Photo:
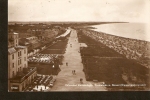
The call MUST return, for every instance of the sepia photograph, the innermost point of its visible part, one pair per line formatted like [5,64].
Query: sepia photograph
[78,45]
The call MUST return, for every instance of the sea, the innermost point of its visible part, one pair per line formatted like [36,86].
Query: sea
[128,30]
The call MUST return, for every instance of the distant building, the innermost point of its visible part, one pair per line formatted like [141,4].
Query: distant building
[32,43]
[19,74]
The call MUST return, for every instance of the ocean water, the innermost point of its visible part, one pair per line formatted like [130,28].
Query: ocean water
[129,30]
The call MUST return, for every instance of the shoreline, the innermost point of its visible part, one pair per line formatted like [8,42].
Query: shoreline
[137,30]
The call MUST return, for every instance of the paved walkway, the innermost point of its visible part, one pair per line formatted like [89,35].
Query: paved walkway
[65,80]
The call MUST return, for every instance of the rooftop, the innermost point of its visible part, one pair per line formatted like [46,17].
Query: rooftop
[11,50]
[20,47]
[15,49]
[21,76]
[31,37]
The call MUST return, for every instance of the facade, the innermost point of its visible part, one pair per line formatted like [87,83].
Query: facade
[19,74]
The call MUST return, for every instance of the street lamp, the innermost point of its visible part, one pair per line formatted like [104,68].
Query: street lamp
[52,69]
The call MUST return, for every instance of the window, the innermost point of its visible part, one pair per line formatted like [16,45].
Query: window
[24,58]
[13,56]
[18,62]
[18,54]
[13,74]
[25,51]
[13,65]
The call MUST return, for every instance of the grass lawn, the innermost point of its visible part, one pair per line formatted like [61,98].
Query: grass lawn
[59,45]
[44,69]
[86,39]
[57,48]
[111,70]
[99,51]
[53,51]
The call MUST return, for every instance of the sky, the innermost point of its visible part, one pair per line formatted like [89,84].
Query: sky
[79,10]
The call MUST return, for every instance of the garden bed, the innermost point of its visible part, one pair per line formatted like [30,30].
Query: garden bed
[58,48]
[53,51]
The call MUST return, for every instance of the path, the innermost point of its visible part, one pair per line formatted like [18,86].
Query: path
[65,80]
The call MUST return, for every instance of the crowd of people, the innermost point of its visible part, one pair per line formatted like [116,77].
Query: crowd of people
[131,48]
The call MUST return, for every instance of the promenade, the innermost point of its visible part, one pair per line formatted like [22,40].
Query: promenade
[65,80]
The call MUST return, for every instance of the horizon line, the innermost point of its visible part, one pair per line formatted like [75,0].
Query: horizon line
[70,21]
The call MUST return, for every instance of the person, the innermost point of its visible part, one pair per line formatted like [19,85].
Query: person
[74,72]
[80,80]
[66,64]
[41,88]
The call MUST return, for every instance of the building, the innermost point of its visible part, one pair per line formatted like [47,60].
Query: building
[19,74]
[31,43]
